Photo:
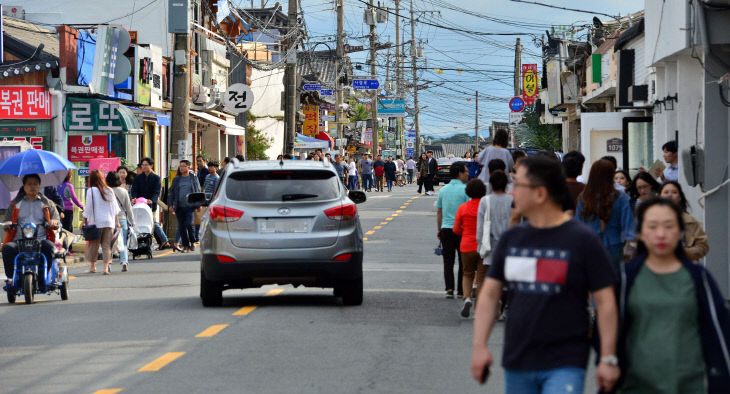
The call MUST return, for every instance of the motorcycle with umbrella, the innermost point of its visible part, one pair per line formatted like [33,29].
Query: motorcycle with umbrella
[32,272]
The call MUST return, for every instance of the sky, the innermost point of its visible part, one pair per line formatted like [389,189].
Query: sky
[487,62]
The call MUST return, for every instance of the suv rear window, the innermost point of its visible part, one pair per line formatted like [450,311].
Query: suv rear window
[283,185]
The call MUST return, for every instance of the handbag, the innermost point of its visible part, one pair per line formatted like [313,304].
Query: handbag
[90,231]
[438,251]
[486,245]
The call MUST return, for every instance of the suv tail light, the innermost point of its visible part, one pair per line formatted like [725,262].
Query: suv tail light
[441,168]
[221,214]
[343,212]
[343,257]
[225,259]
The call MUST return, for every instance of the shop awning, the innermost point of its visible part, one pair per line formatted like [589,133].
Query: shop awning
[304,142]
[87,115]
[228,127]
[325,137]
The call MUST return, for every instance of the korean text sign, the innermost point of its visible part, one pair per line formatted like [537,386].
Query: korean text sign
[311,122]
[87,147]
[93,115]
[25,102]
[529,84]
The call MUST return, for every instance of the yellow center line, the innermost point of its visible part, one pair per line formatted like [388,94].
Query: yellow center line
[399,211]
[211,331]
[371,232]
[274,292]
[71,277]
[383,223]
[161,361]
[402,207]
[377,227]
[394,215]
[108,391]
[388,218]
[364,239]
[244,311]
[169,252]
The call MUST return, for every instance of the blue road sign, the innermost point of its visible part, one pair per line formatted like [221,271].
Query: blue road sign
[84,171]
[327,92]
[365,84]
[517,104]
[312,87]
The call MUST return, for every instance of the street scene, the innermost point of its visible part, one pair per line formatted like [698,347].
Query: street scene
[309,196]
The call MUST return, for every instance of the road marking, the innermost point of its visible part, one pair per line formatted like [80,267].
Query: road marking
[211,331]
[399,211]
[402,206]
[394,215]
[169,252]
[244,311]
[364,239]
[388,218]
[377,227]
[274,292]
[108,391]
[383,223]
[371,232]
[161,361]
[71,277]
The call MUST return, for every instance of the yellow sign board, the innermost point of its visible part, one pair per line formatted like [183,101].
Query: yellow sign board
[311,121]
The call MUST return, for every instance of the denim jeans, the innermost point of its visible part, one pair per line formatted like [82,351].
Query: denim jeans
[568,380]
[124,254]
[390,184]
[410,176]
[353,182]
[185,224]
[367,181]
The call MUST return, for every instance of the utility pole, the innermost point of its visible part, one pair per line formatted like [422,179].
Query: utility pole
[374,74]
[414,53]
[290,90]
[340,68]
[181,93]
[518,67]
[398,81]
[476,125]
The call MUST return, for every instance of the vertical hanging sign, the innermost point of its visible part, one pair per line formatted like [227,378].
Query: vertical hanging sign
[529,84]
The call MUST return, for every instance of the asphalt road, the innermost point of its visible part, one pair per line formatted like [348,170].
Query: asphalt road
[145,331]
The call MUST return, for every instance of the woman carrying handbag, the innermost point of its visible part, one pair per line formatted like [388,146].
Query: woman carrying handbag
[102,217]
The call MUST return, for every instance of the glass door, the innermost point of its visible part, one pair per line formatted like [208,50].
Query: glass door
[638,139]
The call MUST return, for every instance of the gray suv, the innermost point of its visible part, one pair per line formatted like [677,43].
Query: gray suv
[281,222]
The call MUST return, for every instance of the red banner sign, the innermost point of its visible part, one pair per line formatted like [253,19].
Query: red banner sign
[529,84]
[87,147]
[25,102]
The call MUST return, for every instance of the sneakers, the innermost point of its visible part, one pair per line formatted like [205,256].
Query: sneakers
[430,193]
[466,309]
[449,294]
[124,267]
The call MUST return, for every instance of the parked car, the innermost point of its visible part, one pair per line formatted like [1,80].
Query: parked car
[444,164]
[288,222]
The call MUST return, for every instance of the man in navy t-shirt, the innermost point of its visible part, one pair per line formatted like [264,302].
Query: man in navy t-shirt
[550,265]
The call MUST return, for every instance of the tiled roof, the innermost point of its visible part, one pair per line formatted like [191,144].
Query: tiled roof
[318,66]
[31,34]
[23,40]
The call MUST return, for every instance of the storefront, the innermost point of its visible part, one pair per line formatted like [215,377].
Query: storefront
[25,115]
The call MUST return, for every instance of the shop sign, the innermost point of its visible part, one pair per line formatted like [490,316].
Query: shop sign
[35,142]
[311,121]
[25,102]
[86,147]
[94,115]
[529,84]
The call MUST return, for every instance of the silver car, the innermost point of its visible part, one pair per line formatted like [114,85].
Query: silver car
[283,222]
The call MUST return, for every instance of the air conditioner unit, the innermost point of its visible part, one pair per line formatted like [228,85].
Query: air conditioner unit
[201,94]
[14,11]
[369,18]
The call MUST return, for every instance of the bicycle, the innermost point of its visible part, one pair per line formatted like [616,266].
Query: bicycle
[400,179]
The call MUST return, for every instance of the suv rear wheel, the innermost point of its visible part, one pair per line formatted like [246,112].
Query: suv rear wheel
[210,292]
[350,291]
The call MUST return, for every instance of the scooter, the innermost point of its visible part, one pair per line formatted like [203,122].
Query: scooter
[31,275]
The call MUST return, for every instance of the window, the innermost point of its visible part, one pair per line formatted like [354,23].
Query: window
[283,185]
[638,136]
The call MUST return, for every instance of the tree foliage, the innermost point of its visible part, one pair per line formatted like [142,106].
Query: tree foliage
[531,133]
[257,143]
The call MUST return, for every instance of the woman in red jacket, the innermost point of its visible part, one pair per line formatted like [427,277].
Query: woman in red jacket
[465,226]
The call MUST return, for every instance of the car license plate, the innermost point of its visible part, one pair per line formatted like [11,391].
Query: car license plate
[285,226]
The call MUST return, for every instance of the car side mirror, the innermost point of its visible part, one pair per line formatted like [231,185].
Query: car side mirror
[197,199]
[357,196]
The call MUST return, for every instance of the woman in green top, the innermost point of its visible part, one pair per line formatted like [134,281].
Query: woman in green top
[674,325]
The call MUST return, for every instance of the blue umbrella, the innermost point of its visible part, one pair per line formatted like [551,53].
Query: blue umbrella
[51,167]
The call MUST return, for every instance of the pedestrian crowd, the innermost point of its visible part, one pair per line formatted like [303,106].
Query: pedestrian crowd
[610,262]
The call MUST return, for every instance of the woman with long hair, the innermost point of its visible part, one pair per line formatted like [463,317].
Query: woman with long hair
[68,194]
[102,210]
[126,177]
[644,187]
[675,328]
[126,217]
[606,210]
[695,238]
[623,178]
[422,170]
